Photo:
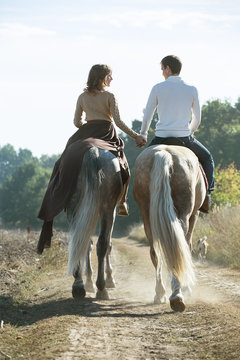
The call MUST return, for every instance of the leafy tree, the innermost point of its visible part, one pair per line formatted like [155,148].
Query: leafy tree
[237,105]
[48,162]
[24,156]
[220,131]
[8,161]
[22,193]
[227,186]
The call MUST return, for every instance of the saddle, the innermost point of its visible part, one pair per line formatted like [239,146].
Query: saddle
[178,142]
[172,141]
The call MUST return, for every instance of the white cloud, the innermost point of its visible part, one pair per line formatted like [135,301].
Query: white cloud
[21,30]
[166,19]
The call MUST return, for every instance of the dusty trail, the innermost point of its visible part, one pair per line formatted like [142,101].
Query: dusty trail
[43,322]
[129,326]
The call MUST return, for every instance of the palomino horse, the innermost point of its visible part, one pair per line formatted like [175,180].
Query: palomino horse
[98,191]
[169,189]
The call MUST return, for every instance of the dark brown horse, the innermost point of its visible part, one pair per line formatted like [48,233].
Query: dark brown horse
[169,189]
[97,194]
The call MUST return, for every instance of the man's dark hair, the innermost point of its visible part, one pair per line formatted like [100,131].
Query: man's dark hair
[173,62]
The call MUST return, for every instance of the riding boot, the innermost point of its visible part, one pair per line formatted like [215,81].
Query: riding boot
[123,206]
[206,204]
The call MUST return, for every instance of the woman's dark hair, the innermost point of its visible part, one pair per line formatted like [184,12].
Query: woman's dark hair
[96,77]
[173,62]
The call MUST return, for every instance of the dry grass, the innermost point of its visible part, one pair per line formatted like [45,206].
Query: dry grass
[222,228]
[31,326]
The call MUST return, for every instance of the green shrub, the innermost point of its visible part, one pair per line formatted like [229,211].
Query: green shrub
[227,186]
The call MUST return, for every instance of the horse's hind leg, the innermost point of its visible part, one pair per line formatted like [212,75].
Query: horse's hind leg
[110,282]
[176,299]
[189,225]
[102,246]
[78,290]
[89,287]
[160,291]
[192,223]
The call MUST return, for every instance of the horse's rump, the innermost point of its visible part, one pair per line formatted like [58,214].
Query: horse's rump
[64,177]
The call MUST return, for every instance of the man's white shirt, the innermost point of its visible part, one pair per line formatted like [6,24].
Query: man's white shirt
[177,106]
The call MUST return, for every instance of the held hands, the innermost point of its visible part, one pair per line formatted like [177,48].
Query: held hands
[140,140]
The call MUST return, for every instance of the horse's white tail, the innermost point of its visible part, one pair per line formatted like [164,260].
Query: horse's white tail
[166,228]
[83,223]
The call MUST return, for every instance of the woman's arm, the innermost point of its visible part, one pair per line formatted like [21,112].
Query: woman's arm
[116,117]
[78,114]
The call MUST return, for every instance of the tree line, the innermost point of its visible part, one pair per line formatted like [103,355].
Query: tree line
[24,178]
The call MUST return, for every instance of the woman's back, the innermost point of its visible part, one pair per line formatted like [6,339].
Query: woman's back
[97,106]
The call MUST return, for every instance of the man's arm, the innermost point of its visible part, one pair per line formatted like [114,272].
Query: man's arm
[149,111]
[196,112]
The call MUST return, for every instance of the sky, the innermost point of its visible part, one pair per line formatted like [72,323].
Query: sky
[47,48]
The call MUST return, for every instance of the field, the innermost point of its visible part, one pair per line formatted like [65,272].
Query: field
[40,320]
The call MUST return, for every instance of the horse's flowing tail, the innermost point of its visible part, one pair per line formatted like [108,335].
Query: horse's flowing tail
[166,228]
[83,221]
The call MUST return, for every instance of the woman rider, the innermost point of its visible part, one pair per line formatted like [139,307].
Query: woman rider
[97,129]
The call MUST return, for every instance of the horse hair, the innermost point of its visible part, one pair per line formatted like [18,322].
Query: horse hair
[166,228]
[84,212]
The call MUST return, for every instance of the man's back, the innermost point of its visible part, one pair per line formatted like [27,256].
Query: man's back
[174,100]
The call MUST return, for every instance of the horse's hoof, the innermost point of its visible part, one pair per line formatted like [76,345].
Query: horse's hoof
[102,295]
[89,287]
[110,283]
[78,292]
[177,304]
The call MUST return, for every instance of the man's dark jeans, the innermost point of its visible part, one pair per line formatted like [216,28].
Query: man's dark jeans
[200,151]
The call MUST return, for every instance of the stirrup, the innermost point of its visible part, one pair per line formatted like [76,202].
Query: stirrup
[123,209]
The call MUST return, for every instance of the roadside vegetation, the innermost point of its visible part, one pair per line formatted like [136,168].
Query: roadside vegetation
[222,228]
[30,325]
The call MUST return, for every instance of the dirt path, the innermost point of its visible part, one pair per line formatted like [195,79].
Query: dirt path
[128,326]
